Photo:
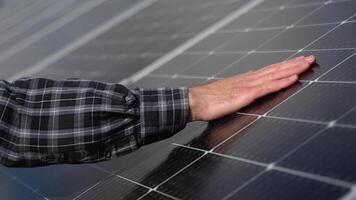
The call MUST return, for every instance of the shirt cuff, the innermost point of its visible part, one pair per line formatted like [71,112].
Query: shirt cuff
[163,112]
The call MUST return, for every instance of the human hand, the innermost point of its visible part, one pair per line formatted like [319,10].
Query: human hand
[223,97]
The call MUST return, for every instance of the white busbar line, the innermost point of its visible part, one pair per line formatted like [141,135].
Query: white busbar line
[84,39]
[185,46]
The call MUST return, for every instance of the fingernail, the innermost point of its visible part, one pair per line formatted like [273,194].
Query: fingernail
[310,58]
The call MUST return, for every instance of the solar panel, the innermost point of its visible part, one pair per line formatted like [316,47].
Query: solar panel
[298,143]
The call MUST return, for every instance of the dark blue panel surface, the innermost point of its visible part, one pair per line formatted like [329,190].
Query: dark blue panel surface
[268,140]
[114,188]
[211,177]
[211,65]
[332,13]
[286,17]
[296,38]
[326,60]
[330,154]
[155,196]
[248,41]
[154,166]
[58,181]
[278,185]
[344,72]
[319,101]
[336,38]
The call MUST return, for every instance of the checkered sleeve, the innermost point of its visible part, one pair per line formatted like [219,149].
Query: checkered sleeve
[164,111]
[44,121]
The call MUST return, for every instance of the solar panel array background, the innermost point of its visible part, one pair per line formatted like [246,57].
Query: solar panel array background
[299,143]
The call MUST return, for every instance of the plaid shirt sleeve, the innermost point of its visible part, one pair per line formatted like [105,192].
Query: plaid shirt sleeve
[45,121]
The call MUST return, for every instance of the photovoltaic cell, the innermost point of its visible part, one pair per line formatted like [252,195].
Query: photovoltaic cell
[48,181]
[211,65]
[286,16]
[153,169]
[331,13]
[114,188]
[155,196]
[277,185]
[247,41]
[344,72]
[295,38]
[328,154]
[267,140]
[320,101]
[336,38]
[326,61]
[224,176]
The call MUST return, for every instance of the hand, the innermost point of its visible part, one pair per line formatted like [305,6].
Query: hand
[223,97]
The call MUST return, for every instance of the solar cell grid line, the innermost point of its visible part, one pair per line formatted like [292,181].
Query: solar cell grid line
[321,74]
[23,14]
[66,49]
[22,183]
[272,166]
[129,180]
[39,20]
[12,9]
[189,43]
[252,50]
[49,32]
[266,41]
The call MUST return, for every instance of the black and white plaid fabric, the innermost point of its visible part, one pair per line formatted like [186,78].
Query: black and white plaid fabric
[46,121]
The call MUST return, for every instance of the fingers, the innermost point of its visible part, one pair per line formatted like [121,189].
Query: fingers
[287,72]
[281,70]
[295,62]
[274,86]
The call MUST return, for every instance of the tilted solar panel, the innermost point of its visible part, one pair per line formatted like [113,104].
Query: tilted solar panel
[299,143]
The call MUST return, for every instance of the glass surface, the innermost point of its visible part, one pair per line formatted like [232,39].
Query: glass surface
[151,167]
[330,154]
[178,64]
[268,140]
[150,82]
[248,20]
[219,131]
[184,82]
[325,60]
[342,37]
[211,177]
[211,65]
[155,196]
[113,188]
[344,72]
[302,2]
[286,17]
[295,38]
[58,181]
[331,13]
[278,185]
[350,118]
[12,188]
[248,41]
[319,101]
[271,4]
[213,41]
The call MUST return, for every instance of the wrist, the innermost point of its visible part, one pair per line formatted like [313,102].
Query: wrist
[193,105]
